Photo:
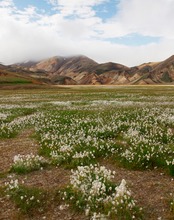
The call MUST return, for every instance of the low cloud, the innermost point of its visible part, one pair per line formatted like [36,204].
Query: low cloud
[74,28]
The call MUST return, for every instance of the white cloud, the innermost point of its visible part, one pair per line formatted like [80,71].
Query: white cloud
[81,8]
[6,3]
[147,17]
[29,34]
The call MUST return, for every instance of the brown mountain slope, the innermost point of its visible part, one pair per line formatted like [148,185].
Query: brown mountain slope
[64,64]
[164,71]
[156,73]
[83,71]
[11,76]
[63,70]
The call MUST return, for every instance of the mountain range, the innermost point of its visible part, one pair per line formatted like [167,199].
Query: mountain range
[81,70]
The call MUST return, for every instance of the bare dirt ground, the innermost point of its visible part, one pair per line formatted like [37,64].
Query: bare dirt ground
[151,189]
[50,179]
[23,144]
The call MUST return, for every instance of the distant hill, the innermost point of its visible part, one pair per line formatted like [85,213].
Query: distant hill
[81,70]
[13,76]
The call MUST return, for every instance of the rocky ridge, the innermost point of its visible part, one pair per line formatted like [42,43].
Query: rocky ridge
[81,70]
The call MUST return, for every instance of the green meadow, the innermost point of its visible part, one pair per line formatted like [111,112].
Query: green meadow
[87,152]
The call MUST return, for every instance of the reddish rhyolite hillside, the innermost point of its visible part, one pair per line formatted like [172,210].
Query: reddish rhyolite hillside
[82,70]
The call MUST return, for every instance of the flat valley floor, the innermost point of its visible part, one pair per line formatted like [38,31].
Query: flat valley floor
[126,129]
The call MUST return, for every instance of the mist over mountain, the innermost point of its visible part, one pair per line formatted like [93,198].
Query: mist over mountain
[81,70]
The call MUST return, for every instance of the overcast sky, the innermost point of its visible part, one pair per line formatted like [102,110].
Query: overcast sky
[130,32]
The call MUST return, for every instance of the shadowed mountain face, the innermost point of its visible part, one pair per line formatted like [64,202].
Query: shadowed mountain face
[81,70]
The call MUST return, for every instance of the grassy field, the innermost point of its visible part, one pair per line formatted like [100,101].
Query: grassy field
[87,152]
